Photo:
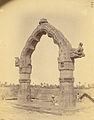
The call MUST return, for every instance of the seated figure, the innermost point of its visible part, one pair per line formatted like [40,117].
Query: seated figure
[77,53]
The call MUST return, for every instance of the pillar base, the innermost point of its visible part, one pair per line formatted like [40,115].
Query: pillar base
[67,99]
[24,94]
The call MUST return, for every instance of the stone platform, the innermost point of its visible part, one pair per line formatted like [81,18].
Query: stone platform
[44,107]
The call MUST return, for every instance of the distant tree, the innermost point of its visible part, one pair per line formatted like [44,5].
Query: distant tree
[5,84]
[41,84]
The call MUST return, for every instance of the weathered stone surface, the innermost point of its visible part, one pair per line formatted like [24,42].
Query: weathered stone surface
[65,62]
[77,53]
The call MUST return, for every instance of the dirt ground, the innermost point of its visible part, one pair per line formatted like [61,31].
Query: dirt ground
[8,112]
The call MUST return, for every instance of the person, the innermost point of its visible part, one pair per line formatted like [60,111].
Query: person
[54,101]
[78,97]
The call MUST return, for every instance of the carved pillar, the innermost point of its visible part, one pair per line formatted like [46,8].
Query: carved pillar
[66,79]
[66,68]
[24,94]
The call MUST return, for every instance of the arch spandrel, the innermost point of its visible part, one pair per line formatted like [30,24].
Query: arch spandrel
[58,38]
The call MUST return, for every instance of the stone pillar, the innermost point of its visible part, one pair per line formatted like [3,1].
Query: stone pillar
[24,94]
[66,79]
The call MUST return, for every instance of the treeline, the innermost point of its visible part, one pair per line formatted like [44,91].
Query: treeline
[79,85]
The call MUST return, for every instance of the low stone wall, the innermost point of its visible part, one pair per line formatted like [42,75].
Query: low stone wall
[41,93]
[44,93]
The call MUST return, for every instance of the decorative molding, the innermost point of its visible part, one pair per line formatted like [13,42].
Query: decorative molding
[69,80]
[24,80]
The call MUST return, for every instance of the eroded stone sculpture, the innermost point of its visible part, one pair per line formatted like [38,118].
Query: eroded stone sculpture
[65,63]
[77,53]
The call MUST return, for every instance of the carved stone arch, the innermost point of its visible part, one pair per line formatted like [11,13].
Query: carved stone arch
[65,63]
[45,28]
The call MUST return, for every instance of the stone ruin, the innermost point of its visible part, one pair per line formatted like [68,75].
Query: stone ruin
[66,60]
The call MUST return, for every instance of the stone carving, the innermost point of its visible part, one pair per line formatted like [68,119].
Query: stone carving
[65,62]
[17,61]
[45,28]
[77,53]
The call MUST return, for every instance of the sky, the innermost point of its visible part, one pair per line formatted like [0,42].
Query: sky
[19,18]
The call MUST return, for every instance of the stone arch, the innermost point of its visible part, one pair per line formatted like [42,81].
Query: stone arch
[45,28]
[65,63]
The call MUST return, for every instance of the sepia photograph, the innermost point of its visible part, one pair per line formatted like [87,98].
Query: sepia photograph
[46,60]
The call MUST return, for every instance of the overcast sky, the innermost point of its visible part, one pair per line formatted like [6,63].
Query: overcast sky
[18,19]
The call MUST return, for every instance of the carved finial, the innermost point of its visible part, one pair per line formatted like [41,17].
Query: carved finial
[43,20]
